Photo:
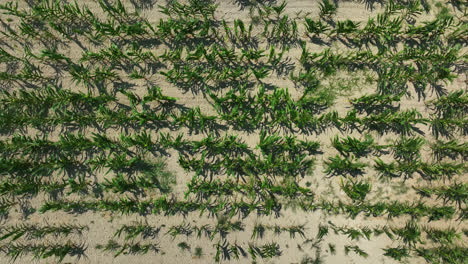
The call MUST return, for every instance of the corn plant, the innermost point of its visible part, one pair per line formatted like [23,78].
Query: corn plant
[355,249]
[340,166]
[451,149]
[353,145]
[410,234]
[375,103]
[454,104]
[352,233]
[128,248]
[268,250]
[445,254]
[397,253]
[227,251]
[315,28]
[441,170]
[447,236]
[284,30]
[356,190]
[399,122]
[457,193]
[447,127]
[182,229]
[327,9]
[259,230]
[242,34]
[42,251]
[347,28]
[30,231]
[408,148]
[198,252]
[5,206]
[137,229]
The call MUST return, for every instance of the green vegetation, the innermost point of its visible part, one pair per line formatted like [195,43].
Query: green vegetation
[130,110]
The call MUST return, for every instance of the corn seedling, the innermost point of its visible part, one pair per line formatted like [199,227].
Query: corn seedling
[451,149]
[327,9]
[397,253]
[42,251]
[339,166]
[353,145]
[356,190]
[356,250]
[29,231]
[128,248]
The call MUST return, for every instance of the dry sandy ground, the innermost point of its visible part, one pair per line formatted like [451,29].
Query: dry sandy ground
[103,225]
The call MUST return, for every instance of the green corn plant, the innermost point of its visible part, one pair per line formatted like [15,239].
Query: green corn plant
[353,145]
[451,149]
[457,192]
[117,11]
[454,104]
[268,250]
[194,119]
[5,206]
[448,126]
[11,8]
[403,168]
[441,170]
[283,30]
[82,74]
[182,229]
[137,229]
[297,229]
[227,251]
[397,253]
[339,166]
[43,251]
[258,231]
[356,250]
[198,252]
[207,230]
[31,231]
[356,190]
[443,254]
[327,9]
[315,28]
[279,8]
[18,188]
[241,32]
[275,58]
[155,94]
[118,184]
[274,144]
[184,246]
[261,73]
[252,54]
[224,227]
[322,231]
[410,234]
[399,122]
[346,28]
[54,55]
[408,148]
[375,103]
[128,248]
[167,141]
[352,233]
[447,236]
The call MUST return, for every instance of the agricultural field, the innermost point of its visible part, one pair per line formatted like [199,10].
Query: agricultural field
[233,131]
